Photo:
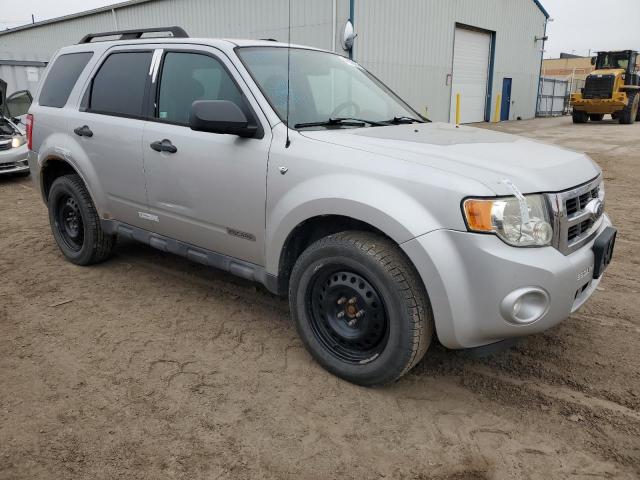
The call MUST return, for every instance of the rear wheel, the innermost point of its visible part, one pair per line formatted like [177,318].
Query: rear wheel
[580,116]
[629,114]
[75,223]
[596,117]
[360,307]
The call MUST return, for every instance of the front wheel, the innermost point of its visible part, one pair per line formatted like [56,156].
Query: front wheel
[360,307]
[630,112]
[580,117]
[75,223]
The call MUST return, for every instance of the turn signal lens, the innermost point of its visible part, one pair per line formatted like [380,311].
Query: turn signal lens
[524,223]
[478,213]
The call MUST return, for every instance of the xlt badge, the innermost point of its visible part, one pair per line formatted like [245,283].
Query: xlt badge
[238,233]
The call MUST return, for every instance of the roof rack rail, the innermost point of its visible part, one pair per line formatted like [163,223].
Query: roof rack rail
[269,39]
[176,32]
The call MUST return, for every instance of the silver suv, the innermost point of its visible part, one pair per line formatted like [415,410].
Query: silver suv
[322,184]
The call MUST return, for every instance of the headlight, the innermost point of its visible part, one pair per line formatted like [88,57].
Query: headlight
[18,141]
[520,224]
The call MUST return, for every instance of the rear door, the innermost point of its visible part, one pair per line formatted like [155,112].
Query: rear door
[109,126]
[211,191]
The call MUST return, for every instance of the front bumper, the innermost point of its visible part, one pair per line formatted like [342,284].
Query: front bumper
[599,105]
[468,276]
[14,160]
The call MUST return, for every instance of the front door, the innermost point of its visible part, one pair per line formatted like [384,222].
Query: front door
[505,108]
[211,190]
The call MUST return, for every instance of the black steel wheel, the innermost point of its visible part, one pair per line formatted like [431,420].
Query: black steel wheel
[360,307]
[75,223]
[69,222]
[347,315]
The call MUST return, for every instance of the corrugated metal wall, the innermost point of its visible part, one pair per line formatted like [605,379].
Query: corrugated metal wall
[311,23]
[411,48]
[407,43]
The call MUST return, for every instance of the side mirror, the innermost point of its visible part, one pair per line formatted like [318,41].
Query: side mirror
[593,60]
[220,116]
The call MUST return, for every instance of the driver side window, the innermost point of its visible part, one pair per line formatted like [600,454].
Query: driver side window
[187,77]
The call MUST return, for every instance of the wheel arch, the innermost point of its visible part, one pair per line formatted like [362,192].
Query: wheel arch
[54,162]
[307,232]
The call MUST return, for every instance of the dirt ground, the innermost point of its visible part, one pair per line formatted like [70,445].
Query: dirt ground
[149,366]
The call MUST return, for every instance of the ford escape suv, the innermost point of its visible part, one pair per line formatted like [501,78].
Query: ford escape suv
[319,182]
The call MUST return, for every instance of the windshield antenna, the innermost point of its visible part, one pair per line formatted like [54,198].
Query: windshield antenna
[288,142]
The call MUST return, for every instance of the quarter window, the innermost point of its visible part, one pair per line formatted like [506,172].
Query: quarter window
[187,77]
[119,86]
[62,77]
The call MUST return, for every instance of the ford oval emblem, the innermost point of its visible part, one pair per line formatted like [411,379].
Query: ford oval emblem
[595,207]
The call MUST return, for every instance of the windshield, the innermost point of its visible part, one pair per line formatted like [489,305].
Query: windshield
[613,60]
[324,86]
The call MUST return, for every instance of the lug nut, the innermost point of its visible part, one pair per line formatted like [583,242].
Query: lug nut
[360,313]
[352,322]
[352,300]
[340,314]
[342,300]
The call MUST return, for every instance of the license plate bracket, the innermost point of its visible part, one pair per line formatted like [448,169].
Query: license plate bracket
[603,251]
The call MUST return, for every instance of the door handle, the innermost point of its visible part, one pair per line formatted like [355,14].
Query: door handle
[83,131]
[164,146]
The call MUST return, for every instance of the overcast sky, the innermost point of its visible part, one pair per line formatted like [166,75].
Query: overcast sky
[578,26]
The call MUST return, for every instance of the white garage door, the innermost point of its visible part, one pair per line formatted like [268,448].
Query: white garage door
[470,73]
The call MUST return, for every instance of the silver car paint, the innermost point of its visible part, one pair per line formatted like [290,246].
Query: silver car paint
[13,155]
[408,181]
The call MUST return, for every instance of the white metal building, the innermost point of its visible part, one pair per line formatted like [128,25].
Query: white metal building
[428,51]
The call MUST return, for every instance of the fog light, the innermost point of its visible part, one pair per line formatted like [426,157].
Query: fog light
[525,306]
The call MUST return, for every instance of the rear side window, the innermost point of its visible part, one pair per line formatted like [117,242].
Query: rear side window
[119,86]
[62,77]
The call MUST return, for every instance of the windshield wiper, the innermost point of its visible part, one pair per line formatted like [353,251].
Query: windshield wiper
[402,120]
[343,121]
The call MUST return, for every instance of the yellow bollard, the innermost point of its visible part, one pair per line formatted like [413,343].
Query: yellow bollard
[496,117]
[457,109]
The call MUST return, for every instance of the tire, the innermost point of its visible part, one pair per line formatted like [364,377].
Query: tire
[580,116]
[629,113]
[360,273]
[596,117]
[75,223]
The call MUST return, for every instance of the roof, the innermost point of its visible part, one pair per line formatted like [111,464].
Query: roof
[107,8]
[128,3]
[541,7]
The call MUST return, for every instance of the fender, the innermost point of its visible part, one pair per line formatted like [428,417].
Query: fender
[372,201]
[73,154]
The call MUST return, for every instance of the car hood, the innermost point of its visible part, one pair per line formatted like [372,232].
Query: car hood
[484,155]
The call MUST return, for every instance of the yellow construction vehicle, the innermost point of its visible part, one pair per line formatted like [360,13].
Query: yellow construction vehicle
[613,88]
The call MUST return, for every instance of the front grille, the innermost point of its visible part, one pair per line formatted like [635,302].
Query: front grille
[598,86]
[5,145]
[576,215]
